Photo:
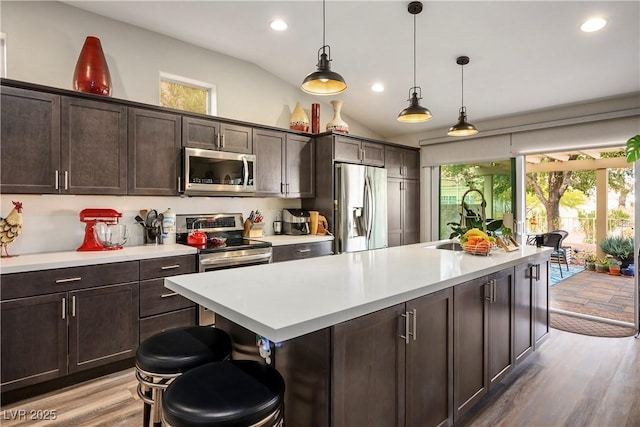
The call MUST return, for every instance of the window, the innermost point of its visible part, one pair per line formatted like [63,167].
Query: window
[186,94]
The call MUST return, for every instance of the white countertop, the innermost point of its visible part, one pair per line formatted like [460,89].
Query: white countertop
[282,239]
[51,260]
[282,301]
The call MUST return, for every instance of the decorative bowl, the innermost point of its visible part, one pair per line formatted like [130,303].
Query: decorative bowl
[111,236]
[481,248]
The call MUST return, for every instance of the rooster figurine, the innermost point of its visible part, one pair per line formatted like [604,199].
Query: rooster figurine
[10,228]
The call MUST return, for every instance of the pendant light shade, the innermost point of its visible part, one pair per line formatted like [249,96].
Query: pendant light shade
[414,113]
[323,81]
[462,128]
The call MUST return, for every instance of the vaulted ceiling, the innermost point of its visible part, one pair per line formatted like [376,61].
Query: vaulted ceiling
[525,55]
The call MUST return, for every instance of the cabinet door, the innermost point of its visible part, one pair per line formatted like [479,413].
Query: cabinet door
[500,326]
[236,139]
[411,163]
[302,251]
[94,147]
[268,148]
[347,149]
[394,211]
[469,345]
[33,339]
[523,313]
[300,170]
[367,379]
[200,133]
[372,153]
[154,153]
[30,135]
[429,382]
[410,212]
[393,161]
[541,301]
[103,325]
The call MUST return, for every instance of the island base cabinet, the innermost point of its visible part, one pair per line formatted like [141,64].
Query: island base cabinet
[540,280]
[523,313]
[33,340]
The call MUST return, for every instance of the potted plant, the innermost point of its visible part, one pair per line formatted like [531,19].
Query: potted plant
[620,248]
[602,265]
[614,267]
[590,261]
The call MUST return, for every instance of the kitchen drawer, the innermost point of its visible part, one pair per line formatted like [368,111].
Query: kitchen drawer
[154,324]
[167,266]
[302,251]
[42,282]
[156,299]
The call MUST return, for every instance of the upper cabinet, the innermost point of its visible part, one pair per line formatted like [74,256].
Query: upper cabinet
[352,150]
[154,152]
[214,135]
[402,162]
[57,144]
[284,164]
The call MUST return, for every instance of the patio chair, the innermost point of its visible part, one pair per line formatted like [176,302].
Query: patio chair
[554,240]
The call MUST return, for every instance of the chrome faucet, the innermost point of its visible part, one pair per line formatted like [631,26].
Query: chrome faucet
[483,212]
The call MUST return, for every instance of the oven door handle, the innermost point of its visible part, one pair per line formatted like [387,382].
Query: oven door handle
[247,258]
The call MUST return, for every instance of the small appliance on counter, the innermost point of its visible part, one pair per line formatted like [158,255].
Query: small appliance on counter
[102,231]
[295,222]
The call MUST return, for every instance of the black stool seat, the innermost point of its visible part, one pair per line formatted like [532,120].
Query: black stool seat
[180,349]
[234,393]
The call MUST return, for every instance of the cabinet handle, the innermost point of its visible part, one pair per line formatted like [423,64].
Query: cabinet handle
[170,267]
[221,141]
[57,178]
[415,324]
[303,251]
[287,188]
[70,279]
[537,271]
[217,141]
[172,294]
[406,327]
[179,184]
[66,180]
[64,308]
[73,306]
[487,291]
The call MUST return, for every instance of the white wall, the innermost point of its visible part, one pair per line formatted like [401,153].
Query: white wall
[43,43]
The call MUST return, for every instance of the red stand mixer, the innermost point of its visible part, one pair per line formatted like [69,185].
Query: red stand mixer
[91,217]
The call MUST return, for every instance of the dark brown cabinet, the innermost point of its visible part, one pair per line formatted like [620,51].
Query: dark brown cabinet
[540,283]
[523,313]
[57,144]
[403,211]
[483,337]
[402,162]
[214,135]
[91,320]
[284,164]
[93,157]
[302,251]
[154,153]
[352,150]
[30,135]
[394,367]
[160,307]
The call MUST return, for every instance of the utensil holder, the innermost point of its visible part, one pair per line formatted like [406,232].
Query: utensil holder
[253,229]
[152,235]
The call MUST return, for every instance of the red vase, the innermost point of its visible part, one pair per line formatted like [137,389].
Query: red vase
[92,73]
[315,118]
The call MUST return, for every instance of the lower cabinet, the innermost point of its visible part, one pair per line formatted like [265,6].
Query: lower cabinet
[523,313]
[393,367]
[540,284]
[302,251]
[483,337]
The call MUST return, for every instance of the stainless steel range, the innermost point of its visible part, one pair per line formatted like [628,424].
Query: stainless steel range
[224,246]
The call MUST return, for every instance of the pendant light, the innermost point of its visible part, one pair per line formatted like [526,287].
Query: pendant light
[462,128]
[324,81]
[414,113]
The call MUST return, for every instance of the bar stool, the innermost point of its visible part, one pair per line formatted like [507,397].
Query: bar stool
[234,393]
[167,355]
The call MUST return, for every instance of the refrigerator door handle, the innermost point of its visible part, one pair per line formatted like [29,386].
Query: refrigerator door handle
[370,206]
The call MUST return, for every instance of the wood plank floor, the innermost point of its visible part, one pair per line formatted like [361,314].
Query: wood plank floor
[574,380]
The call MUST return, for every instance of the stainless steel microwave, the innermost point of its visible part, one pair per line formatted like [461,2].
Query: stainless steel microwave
[218,173]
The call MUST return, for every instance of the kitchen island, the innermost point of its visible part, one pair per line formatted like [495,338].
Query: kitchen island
[361,338]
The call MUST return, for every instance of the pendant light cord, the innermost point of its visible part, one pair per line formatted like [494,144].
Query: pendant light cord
[324,25]
[462,86]
[414,51]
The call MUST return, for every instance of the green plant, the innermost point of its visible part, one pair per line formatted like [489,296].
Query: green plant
[618,247]
[602,261]
[632,149]
[590,257]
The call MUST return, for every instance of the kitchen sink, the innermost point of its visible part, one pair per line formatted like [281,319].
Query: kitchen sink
[450,246]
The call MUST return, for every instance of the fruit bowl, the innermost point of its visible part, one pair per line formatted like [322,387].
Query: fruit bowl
[479,248]
[111,236]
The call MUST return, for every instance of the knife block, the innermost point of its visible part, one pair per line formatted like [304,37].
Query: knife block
[253,229]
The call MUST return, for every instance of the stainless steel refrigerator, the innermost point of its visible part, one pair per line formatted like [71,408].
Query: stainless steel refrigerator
[361,210]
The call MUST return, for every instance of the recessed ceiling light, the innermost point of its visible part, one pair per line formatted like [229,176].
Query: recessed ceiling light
[593,24]
[377,87]
[278,25]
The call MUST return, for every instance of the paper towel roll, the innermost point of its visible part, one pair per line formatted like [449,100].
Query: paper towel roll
[507,220]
